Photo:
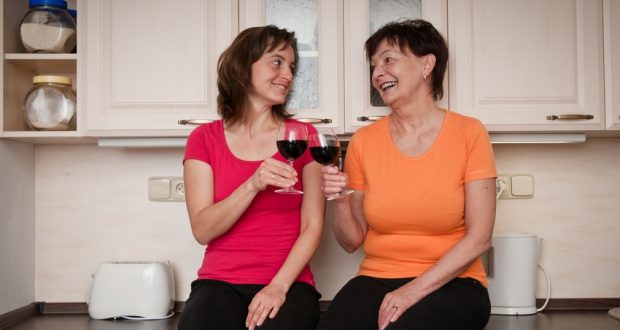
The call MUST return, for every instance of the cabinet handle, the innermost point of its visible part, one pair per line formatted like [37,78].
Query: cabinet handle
[315,120]
[194,121]
[569,117]
[369,118]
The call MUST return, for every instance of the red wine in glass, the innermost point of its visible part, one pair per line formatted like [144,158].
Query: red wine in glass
[325,150]
[292,149]
[327,155]
[292,142]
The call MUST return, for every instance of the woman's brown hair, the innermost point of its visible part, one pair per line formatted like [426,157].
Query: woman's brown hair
[234,69]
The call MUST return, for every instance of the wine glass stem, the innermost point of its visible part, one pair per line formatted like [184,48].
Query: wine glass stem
[340,163]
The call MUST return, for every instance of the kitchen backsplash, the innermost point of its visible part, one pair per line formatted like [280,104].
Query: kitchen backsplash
[92,206]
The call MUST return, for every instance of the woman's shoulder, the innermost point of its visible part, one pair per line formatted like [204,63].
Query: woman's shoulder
[209,127]
[374,130]
[208,131]
[464,121]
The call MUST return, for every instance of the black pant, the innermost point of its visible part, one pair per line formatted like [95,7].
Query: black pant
[220,305]
[462,304]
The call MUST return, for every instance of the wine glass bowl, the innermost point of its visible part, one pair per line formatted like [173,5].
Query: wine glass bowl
[292,142]
[325,149]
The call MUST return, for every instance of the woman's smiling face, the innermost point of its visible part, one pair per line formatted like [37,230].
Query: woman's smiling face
[396,74]
[272,76]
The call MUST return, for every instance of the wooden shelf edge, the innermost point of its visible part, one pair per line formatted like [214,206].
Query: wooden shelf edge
[39,56]
[38,137]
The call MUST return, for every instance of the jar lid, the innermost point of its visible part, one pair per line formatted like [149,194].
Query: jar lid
[51,3]
[51,79]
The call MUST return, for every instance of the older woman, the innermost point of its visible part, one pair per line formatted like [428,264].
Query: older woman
[424,200]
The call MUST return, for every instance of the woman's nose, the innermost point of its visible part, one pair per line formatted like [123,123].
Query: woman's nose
[377,72]
[287,73]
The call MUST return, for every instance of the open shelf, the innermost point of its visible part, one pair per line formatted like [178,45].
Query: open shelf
[17,69]
[44,63]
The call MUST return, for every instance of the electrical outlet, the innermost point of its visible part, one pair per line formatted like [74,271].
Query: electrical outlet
[516,186]
[166,189]
[177,189]
[503,185]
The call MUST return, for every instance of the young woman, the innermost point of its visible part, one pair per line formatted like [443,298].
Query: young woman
[255,271]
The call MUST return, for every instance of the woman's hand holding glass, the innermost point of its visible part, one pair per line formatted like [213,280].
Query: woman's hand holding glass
[325,149]
[335,183]
[272,172]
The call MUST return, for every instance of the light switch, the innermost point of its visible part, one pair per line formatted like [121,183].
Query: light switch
[522,185]
[159,188]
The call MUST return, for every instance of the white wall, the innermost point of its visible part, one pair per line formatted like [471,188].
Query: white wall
[92,207]
[576,210]
[17,222]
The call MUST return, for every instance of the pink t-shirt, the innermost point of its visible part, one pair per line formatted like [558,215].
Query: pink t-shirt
[255,248]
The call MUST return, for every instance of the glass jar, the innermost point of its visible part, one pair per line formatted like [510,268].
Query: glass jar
[73,13]
[48,27]
[50,104]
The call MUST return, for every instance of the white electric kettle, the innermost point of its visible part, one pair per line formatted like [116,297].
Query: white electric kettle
[512,264]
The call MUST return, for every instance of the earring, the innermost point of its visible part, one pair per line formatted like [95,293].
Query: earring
[424,76]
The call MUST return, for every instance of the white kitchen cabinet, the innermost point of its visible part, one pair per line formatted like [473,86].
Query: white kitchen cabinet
[17,69]
[362,18]
[335,32]
[612,63]
[150,63]
[529,65]
[316,96]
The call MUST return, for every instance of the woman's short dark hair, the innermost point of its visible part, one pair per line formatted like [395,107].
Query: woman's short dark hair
[234,69]
[421,38]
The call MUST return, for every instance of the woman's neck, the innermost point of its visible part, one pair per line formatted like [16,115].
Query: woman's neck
[417,117]
[254,121]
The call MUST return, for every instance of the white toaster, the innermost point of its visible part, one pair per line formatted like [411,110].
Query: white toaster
[133,290]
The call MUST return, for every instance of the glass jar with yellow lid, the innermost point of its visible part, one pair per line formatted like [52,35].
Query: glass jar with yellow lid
[50,104]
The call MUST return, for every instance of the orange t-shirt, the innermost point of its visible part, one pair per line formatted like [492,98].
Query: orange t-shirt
[414,206]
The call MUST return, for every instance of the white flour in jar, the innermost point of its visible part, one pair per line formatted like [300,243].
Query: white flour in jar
[47,38]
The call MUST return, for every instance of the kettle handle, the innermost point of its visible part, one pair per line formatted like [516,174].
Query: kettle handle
[548,288]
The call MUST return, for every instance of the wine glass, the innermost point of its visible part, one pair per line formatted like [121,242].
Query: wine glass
[292,142]
[325,149]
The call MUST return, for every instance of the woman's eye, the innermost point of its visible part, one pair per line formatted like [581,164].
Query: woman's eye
[276,63]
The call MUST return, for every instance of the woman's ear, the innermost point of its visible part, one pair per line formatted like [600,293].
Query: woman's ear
[429,64]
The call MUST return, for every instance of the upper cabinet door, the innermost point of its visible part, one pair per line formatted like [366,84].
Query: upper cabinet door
[316,96]
[528,65]
[151,63]
[362,18]
[612,63]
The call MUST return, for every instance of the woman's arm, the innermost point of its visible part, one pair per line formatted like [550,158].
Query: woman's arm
[479,222]
[269,300]
[349,224]
[210,220]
